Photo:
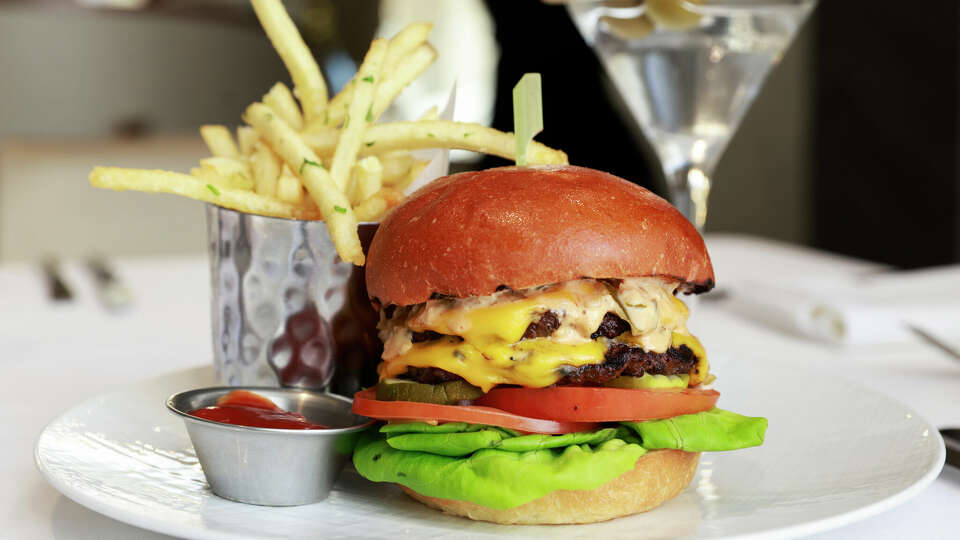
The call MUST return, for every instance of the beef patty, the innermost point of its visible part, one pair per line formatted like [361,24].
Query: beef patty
[620,358]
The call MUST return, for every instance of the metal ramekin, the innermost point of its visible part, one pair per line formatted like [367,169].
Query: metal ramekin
[272,467]
[286,311]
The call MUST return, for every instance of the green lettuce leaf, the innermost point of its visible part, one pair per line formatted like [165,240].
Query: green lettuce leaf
[468,441]
[423,427]
[446,444]
[710,431]
[489,476]
[482,464]
[528,443]
[449,427]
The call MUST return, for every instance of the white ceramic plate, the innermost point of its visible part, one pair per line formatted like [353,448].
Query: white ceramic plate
[835,453]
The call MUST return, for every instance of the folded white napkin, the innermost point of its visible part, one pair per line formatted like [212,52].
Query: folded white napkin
[874,309]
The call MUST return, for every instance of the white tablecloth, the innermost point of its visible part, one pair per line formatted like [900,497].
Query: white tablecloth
[54,356]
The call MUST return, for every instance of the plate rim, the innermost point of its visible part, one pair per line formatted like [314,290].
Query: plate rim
[873,509]
[104,508]
[158,525]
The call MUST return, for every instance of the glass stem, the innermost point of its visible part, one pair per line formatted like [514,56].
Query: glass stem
[689,191]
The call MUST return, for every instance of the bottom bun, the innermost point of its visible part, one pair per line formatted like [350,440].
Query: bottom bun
[657,477]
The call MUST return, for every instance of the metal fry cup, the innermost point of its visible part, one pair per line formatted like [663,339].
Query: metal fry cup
[286,311]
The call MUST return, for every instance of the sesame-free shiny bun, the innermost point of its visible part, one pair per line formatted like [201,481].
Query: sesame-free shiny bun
[468,234]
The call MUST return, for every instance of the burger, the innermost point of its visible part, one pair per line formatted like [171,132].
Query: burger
[537,367]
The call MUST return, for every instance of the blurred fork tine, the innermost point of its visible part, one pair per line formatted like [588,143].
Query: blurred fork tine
[935,341]
[57,289]
[112,293]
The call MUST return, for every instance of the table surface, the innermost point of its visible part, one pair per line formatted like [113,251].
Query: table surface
[57,355]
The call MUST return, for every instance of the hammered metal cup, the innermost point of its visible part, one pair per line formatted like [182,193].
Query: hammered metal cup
[286,311]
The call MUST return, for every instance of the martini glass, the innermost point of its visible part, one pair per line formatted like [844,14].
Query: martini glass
[688,71]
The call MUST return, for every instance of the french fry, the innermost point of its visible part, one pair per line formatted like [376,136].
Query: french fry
[226,166]
[121,179]
[415,169]
[409,69]
[281,101]
[381,138]
[359,115]
[392,196]
[368,179]
[406,40]
[228,172]
[289,188]
[371,208]
[266,170]
[224,172]
[322,138]
[395,165]
[307,80]
[332,203]
[208,176]
[378,204]
[247,137]
[219,141]
[400,45]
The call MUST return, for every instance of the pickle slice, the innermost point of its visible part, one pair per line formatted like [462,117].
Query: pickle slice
[649,381]
[448,393]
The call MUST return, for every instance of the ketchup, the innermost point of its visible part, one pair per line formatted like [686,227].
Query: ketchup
[243,408]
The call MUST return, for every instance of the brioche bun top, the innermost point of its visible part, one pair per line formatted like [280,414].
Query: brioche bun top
[468,234]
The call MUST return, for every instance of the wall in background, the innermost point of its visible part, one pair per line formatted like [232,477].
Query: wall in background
[76,72]
[48,207]
[72,80]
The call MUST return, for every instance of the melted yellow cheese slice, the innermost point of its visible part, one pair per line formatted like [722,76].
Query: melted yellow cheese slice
[505,321]
[532,363]
[702,369]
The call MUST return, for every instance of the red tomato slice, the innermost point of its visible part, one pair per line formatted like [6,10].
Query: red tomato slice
[593,404]
[366,404]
